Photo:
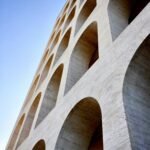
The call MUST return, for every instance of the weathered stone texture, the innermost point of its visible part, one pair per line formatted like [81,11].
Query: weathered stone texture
[91,90]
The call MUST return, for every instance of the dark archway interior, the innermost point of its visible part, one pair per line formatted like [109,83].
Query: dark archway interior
[123,12]
[84,55]
[82,130]
[136,97]
[45,71]
[50,96]
[40,145]
[136,8]
[63,45]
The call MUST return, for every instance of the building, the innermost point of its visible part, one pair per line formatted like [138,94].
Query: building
[91,90]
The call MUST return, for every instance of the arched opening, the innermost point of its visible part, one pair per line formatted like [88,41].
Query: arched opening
[69,19]
[45,55]
[52,37]
[29,120]
[55,40]
[84,55]
[45,71]
[56,24]
[136,97]
[82,129]
[61,21]
[50,96]
[43,59]
[16,133]
[66,7]
[85,13]
[34,85]
[63,45]
[40,145]
[123,12]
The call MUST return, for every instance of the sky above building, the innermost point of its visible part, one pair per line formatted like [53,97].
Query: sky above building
[25,27]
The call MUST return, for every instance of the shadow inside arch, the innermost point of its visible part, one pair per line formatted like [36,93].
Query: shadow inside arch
[82,128]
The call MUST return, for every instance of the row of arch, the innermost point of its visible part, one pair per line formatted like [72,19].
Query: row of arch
[88,117]
[69,7]
[84,127]
[84,121]
[66,20]
[87,48]
[48,103]
[68,17]
[50,97]
[84,55]
[127,12]
[91,109]
[92,29]
[126,15]
[120,13]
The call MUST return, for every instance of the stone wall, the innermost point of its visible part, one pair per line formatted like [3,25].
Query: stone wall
[91,89]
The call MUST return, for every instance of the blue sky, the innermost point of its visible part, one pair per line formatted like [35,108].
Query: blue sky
[25,26]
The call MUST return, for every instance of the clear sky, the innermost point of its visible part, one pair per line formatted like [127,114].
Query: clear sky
[25,26]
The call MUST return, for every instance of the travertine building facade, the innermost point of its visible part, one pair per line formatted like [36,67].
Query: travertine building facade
[92,88]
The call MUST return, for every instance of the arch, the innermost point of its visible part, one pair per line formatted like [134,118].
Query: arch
[84,55]
[52,37]
[61,21]
[82,129]
[16,133]
[85,13]
[123,12]
[69,19]
[43,59]
[63,45]
[55,40]
[29,120]
[45,55]
[136,96]
[56,24]
[45,71]
[34,85]
[40,145]
[50,96]
[66,7]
